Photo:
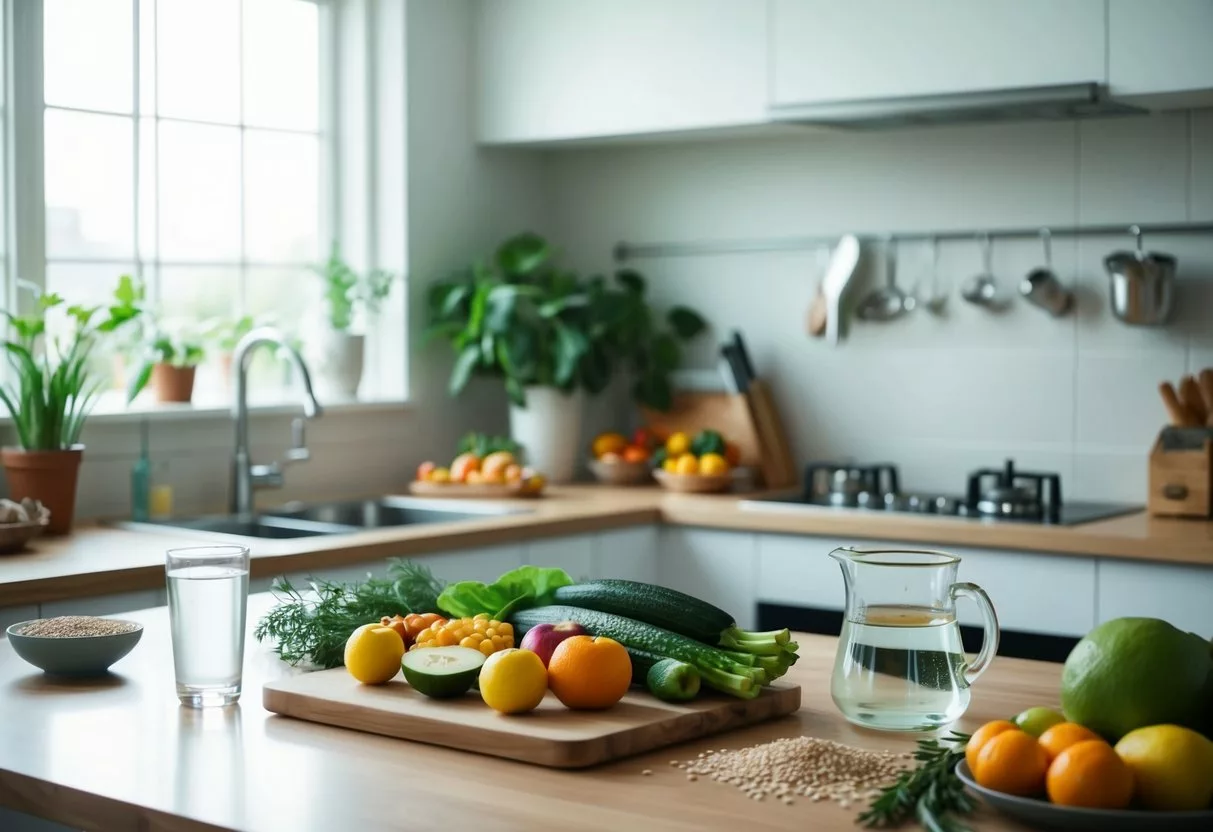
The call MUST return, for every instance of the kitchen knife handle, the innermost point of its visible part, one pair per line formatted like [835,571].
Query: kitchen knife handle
[1205,382]
[1193,399]
[1180,417]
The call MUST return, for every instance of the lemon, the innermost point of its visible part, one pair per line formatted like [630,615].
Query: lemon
[670,464]
[373,653]
[713,465]
[687,464]
[513,681]
[678,444]
[1172,765]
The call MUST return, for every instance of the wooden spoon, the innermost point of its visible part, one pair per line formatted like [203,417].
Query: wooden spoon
[815,321]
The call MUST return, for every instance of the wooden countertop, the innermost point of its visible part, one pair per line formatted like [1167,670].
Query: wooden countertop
[98,560]
[121,754]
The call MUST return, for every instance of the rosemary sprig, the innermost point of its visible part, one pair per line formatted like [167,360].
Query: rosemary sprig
[311,626]
[930,793]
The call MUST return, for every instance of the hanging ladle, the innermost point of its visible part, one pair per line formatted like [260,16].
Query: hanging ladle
[889,301]
[1042,288]
[982,288]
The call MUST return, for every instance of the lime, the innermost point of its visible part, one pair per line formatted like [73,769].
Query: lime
[1132,672]
[1036,721]
[1173,767]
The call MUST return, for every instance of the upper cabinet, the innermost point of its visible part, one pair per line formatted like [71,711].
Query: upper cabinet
[1160,47]
[826,50]
[557,70]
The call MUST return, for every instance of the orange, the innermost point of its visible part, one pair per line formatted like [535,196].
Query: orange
[1012,762]
[463,465]
[634,453]
[608,443]
[1090,774]
[983,735]
[589,673]
[1064,734]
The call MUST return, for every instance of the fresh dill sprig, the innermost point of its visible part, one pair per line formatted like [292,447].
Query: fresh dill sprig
[930,793]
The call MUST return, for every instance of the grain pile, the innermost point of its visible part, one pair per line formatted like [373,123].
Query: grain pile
[75,626]
[801,767]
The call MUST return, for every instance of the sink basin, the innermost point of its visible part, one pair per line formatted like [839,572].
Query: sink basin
[388,512]
[311,519]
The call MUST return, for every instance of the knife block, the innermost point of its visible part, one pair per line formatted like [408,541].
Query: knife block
[1181,473]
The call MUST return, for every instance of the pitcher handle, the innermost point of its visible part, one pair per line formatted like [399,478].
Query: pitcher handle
[989,626]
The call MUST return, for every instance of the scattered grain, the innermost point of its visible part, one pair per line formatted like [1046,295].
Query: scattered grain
[814,768]
[76,626]
[647,772]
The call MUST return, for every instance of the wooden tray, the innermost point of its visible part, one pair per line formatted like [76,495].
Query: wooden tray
[550,736]
[480,491]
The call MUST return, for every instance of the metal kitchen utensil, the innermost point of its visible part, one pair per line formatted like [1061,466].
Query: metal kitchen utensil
[1042,288]
[936,302]
[834,284]
[889,301]
[1142,289]
[815,320]
[982,288]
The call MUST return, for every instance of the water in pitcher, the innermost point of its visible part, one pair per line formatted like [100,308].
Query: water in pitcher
[207,610]
[900,668]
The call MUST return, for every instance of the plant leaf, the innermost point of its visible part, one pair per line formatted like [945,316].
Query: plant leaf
[686,323]
[631,280]
[522,254]
[462,371]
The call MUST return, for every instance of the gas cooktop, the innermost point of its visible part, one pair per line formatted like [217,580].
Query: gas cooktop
[992,494]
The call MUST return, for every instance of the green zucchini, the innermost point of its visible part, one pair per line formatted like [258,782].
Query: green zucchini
[671,610]
[715,666]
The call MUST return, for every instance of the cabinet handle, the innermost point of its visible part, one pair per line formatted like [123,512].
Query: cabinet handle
[1175,491]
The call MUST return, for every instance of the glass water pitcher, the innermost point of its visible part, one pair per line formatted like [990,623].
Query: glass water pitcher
[900,664]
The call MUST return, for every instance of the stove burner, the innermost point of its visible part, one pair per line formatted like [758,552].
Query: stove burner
[1014,495]
[839,484]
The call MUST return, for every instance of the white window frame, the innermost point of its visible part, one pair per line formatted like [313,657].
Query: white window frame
[362,44]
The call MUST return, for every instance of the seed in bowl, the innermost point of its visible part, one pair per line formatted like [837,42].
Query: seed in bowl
[76,626]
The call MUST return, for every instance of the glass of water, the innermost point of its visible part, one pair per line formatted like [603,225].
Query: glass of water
[207,597]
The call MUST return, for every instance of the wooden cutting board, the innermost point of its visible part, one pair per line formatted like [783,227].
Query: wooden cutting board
[551,735]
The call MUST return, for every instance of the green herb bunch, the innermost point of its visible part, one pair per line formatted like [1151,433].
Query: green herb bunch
[54,386]
[930,793]
[311,626]
[347,293]
[526,320]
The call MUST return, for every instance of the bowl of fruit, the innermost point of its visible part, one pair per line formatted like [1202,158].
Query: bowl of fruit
[702,464]
[486,466]
[616,460]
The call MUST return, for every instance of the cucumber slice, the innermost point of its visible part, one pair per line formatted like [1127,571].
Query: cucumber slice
[673,681]
[442,672]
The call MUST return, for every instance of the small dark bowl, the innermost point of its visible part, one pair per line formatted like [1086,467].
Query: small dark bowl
[73,656]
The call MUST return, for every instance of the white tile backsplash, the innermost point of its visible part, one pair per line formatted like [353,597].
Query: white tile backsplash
[940,395]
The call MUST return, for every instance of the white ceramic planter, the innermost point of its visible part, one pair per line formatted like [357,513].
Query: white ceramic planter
[335,360]
[549,430]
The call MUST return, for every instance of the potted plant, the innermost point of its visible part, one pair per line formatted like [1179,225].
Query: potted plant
[223,334]
[170,362]
[351,301]
[549,336]
[53,389]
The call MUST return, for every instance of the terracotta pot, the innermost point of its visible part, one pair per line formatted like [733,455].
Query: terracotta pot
[173,384]
[46,476]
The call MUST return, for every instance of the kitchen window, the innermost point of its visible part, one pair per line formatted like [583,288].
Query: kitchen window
[189,143]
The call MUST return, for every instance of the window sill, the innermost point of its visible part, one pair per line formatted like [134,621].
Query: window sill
[112,410]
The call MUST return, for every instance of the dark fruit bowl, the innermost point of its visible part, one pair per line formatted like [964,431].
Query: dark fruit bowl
[73,656]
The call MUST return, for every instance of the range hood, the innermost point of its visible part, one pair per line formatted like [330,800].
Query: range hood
[1064,101]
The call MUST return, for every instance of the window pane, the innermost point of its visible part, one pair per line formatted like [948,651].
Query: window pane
[148,201]
[281,64]
[89,185]
[88,57]
[199,192]
[192,295]
[198,55]
[282,177]
[281,297]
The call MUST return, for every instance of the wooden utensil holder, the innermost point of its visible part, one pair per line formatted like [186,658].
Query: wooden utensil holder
[1181,479]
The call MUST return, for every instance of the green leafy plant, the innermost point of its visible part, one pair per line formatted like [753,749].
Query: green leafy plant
[225,333]
[55,387]
[529,322]
[526,586]
[348,294]
[177,349]
[481,444]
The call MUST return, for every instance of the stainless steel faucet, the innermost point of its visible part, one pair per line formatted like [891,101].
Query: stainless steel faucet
[247,477]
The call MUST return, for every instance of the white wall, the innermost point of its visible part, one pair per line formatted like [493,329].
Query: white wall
[460,202]
[941,397]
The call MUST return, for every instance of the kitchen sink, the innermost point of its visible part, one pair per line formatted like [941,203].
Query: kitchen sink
[311,519]
[388,512]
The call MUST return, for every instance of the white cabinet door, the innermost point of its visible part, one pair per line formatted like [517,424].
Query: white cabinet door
[799,572]
[1158,47]
[553,69]
[1182,595]
[574,555]
[628,554]
[719,567]
[825,50]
